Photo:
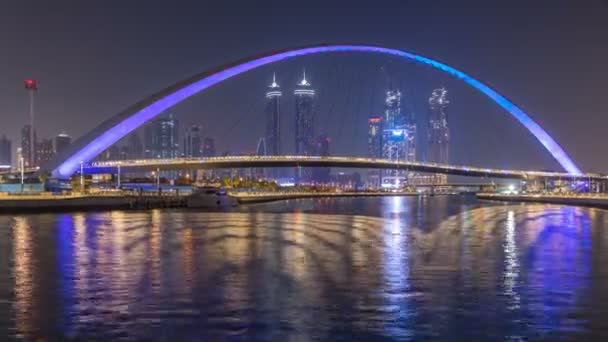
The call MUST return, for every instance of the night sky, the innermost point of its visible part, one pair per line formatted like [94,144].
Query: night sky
[94,58]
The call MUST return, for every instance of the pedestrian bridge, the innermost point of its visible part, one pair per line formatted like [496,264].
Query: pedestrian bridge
[230,162]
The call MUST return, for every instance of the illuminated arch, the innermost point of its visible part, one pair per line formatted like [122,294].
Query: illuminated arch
[109,132]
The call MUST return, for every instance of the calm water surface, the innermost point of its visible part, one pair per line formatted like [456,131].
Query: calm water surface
[393,268]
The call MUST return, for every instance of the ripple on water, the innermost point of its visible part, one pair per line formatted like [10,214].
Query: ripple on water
[404,268]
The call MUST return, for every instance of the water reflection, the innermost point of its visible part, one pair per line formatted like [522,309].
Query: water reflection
[24,277]
[399,267]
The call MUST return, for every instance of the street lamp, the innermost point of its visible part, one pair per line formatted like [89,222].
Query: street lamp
[158,179]
[118,178]
[81,177]
[22,166]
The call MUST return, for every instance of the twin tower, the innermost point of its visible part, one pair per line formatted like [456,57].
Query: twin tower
[304,121]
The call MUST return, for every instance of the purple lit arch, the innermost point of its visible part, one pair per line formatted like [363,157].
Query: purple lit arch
[89,146]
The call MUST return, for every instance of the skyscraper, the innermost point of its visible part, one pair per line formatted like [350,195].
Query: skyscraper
[321,149]
[167,137]
[374,148]
[62,141]
[28,150]
[409,126]
[304,120]
[438,131]
[272,136]
[393,139]
[161,138]
[193,142]
[135,148]
[44,151]
[5,152]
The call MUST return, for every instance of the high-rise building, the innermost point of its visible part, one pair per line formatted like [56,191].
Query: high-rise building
[392,109]
[5,152]
[304,120]
[393,139]
[193,147]
[28,150]
[272,136]
[209,151]
[135,148]
[62,141]
[438,131]
[321,149]
[409,126]
[44,151]
[374,148]
[167,137]
[209,147]
[398,139]
[162,138]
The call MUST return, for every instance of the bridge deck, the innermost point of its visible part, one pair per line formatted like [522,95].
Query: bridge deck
[311,161]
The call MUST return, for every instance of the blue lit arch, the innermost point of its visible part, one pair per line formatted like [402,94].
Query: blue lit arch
[109,132]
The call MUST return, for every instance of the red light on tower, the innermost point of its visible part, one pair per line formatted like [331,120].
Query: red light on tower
[31,84]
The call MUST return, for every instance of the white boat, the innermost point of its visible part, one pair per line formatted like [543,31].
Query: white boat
[210,197]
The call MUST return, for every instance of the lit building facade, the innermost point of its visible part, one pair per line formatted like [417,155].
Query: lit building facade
[135,147]
[6,150]
[374,148]
[193,142]
[28,151]
[208,150]
[62,141]
[393,139]
[304,130]
[162,138]
[398,140]
[272,135]
[44,151]
[438,131]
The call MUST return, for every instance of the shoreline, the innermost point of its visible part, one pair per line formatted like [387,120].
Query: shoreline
[272,197]
[600,202]
[50,203]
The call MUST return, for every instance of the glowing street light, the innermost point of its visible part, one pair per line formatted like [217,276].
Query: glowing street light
[81,177]
[22,167]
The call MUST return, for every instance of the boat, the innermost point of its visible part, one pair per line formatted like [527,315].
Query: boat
[210,197]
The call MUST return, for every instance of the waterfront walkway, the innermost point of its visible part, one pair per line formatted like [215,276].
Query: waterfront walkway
[257,197]
[585,200]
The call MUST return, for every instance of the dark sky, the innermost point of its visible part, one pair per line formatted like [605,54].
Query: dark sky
[94,58]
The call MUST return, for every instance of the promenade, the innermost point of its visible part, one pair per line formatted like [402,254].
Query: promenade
[585,200]
[259,197]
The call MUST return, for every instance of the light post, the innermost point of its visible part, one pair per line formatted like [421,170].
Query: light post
[118,178]
[158,179]
[22,166]
[81,177]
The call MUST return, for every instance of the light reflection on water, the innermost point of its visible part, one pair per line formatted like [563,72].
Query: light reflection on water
[367,268]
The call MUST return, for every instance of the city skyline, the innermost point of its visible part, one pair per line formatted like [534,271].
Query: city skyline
[548,109]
